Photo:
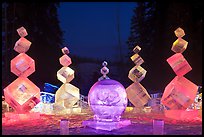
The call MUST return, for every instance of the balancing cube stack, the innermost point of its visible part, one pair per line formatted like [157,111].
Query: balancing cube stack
[67,95]
[180,92]
[136,93]
[22,94]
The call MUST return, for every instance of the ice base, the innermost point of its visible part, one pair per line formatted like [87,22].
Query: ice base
[104,125]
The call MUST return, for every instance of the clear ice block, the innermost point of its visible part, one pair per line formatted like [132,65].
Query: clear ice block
[67,95]
[22,32]
[179,93]
[22,95]
[137,74]
[179,46]
[137,49]
[179,64]
[22,65]
[65,61]
[65,74]
[137,94]
[137,60]
[65,50]
[179,32]
[22,45]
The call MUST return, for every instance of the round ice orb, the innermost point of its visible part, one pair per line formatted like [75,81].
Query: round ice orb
[108,100]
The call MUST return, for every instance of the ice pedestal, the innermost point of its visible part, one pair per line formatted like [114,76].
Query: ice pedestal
[106,125]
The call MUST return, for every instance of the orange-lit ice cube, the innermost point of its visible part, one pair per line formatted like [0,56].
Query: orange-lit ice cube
[137,74]
[137,60]
[22,45]
[65,74]
[22,65]
[179,64]
[179,46]
[179,32]
[180,93]
[65,61]
[22,95]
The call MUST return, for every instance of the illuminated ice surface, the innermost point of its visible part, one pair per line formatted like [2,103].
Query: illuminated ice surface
[137,60]
[179,64]
[22,32]
[179,46]
[22,95]
[179,32]
[137,74]
[65,74]
[179,93]
[22,65]
[22,45]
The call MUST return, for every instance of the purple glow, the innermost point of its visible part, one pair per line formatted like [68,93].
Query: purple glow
[108,100]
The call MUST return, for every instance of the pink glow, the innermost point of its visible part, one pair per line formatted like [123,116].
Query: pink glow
[22,65]
[22,95]
[179,93]
[65,61]
[22,45]
[179,64]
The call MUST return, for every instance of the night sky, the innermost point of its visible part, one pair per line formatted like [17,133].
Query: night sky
[91,27]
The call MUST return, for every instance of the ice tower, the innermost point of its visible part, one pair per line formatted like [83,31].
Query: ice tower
[67,96]
[136,93]
[180,93]
[22,94]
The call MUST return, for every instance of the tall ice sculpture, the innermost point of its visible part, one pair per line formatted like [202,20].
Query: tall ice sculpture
[180,93]
[22,94]
[67,96]
[136,93]
[108,100]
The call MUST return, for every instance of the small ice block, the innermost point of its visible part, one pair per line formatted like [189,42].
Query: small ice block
[22,95]
[180,93]
[65,61]
[137,94]
[67,95]
[22,32]
[108,126]
[22,65]
[179,64]
[65,74]
[190,114]
[179,46]
[22,45]
[137,49]
[137,60]
[65,50]
[179,32]
[137,74]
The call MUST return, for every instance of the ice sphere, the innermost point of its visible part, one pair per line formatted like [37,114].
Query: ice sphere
[179,46]
[179,93]
[108,100]
[179,32]
[22,65]
[179,64]
[136,49]
[65,50]
[137,74]
[22,45]
[22,95]
[137,94]
[22,32]
[137,60]
[65,61]
[65,74]
[67,95]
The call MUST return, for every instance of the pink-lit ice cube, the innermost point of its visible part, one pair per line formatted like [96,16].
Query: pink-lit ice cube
[22,32]
[22,65]
[22,45]
[65,50]
[180,93]
[22,95]
[179,64]
[65,61]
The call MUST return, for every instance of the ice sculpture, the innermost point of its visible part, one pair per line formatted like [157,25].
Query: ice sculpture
[136,93]
[180,93]
[108,100]
[67,96]
[22,95]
